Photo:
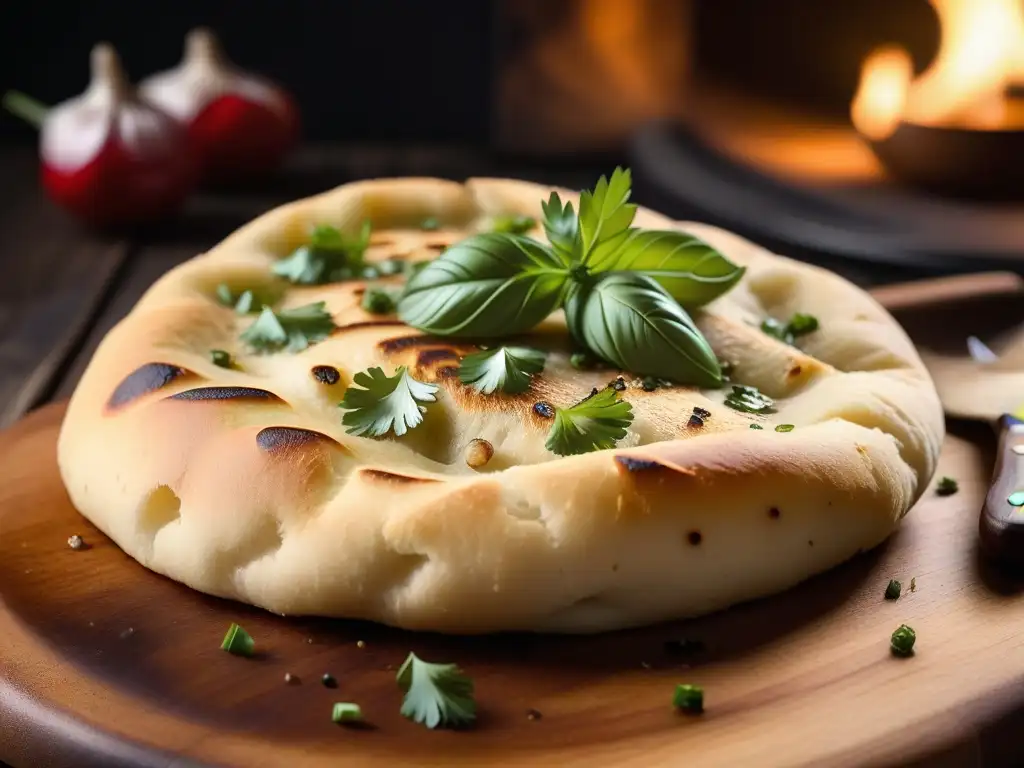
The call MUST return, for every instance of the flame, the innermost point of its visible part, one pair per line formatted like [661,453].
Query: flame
[981,55]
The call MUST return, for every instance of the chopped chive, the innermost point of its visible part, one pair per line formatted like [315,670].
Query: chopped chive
[237,641]
[756,426]
[892,592]
[902,641]
[689,698]
[947,486]
[784,428]
[346,712]
[913,584]
[220,358]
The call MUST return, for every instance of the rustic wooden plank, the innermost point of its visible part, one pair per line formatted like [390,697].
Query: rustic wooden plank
[145,268]
[55,279]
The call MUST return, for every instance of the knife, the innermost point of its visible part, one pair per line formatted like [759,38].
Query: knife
[948,318]
[1001,527]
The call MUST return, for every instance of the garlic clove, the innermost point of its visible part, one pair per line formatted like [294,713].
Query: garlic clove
[204,75]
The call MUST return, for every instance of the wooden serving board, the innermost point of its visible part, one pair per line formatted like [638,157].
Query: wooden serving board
[105,664]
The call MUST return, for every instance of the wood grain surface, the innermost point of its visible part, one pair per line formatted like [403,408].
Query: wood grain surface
[106,664]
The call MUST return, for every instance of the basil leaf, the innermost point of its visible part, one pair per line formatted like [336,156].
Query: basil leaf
[629,320]
[562,228]
[605,216]
[690,270]
[493,284]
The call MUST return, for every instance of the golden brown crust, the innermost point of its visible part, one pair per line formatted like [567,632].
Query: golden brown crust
[243,483]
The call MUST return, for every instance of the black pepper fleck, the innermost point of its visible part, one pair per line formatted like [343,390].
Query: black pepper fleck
[694,537]
[774,512]
[289,678]
[326,374]
[704,413]
[618,384]
[649,384]
[695,421]
[329,681]
[544,410]
[533,714]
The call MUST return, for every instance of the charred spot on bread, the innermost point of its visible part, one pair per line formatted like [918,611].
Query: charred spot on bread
[272,439]
[694,537]
[544,409]
[383,476]
[446,372]
[143,380]
[326,374]
[226,393]
[795,371]
[774,513]
[633,464]
[399,343]
[428,356]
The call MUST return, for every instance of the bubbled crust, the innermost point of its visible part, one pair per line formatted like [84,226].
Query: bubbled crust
[243,483]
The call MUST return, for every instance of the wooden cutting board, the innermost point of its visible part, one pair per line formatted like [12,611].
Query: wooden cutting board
[105,664]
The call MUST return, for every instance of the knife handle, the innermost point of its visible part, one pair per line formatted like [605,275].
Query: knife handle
[1002,518]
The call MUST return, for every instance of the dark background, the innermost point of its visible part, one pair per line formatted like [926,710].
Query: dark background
[401,70]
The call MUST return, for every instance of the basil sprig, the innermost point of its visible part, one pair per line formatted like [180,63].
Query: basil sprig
[628,320]
[489,285]
[623,289]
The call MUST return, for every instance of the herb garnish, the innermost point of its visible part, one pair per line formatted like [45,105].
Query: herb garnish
[506,368]
[329,257]
[515,225]
[621,287]
[784,428]
[378,301]
[749,400]
[290,329]
[689,698]
[385,403]
[947,486]
[238,642]
[892,591]
[435,694]
[756,426]
[346,712]
[902,641]
[799,324]
[596,422]
[220,358]
[430,224]
[245,303]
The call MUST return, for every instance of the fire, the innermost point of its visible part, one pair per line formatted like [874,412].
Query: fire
[980,57]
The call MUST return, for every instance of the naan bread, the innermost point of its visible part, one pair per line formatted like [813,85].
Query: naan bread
[244,483]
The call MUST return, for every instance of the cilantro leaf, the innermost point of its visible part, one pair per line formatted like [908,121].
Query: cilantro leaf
[435,694]
[562,228]
[290,329]
[596,422]
[505,368]
[329,257]
[244,303]
[384,403]
[605,216]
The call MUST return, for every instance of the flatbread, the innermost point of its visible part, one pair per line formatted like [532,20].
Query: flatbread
[245,484]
